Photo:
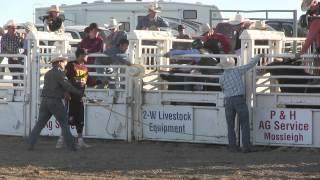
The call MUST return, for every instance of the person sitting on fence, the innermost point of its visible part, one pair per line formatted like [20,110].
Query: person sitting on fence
[54,20]
[181,35]
[116,35]
[93,43]
[11,42]
[313,24]
[233,88]
[77,74]
[116,56]
[152,21]
[217,43]
[233,29]
[54,89]
[313,11]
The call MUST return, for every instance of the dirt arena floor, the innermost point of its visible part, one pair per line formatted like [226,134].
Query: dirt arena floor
[152,160]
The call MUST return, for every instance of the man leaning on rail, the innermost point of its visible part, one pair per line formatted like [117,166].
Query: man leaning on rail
[233,89]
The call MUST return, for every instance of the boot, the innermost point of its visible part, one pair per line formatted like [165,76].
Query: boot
[60,143]
[82,144]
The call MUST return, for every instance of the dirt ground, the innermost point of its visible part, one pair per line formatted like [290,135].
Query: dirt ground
[152,160]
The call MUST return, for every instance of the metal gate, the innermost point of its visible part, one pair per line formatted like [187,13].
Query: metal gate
[283,111]
[181,109]
[107,108]
[14,95]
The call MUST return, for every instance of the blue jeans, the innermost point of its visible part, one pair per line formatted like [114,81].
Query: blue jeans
[237,105]
[55,107]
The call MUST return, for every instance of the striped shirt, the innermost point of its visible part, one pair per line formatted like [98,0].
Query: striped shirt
[231,80]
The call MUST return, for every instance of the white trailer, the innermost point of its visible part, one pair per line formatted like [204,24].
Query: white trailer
[128,13]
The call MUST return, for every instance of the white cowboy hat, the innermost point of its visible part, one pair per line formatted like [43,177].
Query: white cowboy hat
[154,7]
[54,8]
[226,63]
[305,5]
[113,24]
[59,58]
[205,28]
[237,19]
[30,26]
[260,25]
[11,22]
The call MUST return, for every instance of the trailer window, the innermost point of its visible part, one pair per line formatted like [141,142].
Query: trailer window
[125,26]
[189,14]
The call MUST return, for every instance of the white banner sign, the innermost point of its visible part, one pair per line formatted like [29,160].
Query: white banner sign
[283,126]
[53,128]
[167,122]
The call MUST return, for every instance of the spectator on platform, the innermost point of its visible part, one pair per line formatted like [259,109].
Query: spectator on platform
[217,43]
[233,29]
[313,10]
[233,88]
[181,35]
[11,42]
[54,20]
[93,43]
[152,21]
[116,34]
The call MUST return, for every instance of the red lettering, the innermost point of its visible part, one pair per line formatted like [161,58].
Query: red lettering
[264,125]
[272,114]
[292,115]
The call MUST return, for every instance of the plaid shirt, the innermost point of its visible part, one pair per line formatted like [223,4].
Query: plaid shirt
[231,79]
[11,44]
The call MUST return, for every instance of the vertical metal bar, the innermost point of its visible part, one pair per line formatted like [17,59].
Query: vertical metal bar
[295,27]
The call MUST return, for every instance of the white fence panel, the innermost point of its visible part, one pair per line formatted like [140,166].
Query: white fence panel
[14,95]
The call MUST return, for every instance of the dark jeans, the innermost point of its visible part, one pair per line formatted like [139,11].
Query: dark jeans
[237,105]
[55,107]
[76,113]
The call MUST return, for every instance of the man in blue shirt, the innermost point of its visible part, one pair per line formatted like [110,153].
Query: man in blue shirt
[235,100]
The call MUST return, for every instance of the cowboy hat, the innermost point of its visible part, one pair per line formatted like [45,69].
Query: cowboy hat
[205,28]
[9,23]
[30,26]
[113,24]
[237,19]
[260,25]
[54,8]
[59,58]
[305,5]
[226,63]
[154,7]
